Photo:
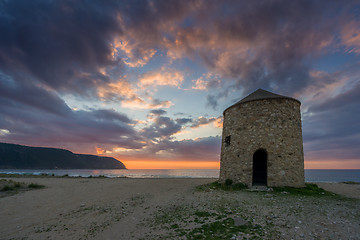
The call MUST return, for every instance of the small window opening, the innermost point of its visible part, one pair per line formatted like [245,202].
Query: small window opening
[227,141]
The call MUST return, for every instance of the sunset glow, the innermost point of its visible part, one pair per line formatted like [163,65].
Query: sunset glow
[149,164]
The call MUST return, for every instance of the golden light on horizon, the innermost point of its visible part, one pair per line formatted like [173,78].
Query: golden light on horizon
[156,164]
[153,164]
[332,164]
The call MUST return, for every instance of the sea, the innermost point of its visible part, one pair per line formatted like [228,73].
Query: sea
[311,175]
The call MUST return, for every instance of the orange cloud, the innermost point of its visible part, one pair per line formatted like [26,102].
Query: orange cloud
[208,80]
[120,89]
[141,104]
[141,58]
[162,78]
[200,84]
[99,151]
[127,94]
[218,123]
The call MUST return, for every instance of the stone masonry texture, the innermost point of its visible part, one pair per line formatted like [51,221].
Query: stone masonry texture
[273,125]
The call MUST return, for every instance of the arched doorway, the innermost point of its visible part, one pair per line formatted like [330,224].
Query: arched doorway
[260,167]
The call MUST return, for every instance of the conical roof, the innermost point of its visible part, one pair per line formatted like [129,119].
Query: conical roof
[259,95]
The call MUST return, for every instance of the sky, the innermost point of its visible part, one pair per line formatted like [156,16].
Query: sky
[147,82]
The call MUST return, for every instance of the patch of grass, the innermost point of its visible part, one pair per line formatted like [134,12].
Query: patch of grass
[6,188]
[228,182]
[224,229]
[48,175]
[202,214]
[310,189]
[222,186]
[14,187]
[35,186]
[97,176]
[174,226]
[214,220]
[350,182]
[9,185]
[24,175]
[165,216]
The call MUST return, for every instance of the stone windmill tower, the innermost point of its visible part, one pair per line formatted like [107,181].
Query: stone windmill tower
[262,141]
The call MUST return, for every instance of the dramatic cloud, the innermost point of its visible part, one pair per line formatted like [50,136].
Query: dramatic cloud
[77,130]
[135,57]
[330,120]
[162,128]
[60,43]
[34,115]
[260,42]
[96,77]
[201,148]
[30,95]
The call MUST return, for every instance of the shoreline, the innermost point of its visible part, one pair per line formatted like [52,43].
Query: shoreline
[311,175]
[172,208]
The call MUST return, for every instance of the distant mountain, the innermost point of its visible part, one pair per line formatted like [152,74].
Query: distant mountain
[13,156]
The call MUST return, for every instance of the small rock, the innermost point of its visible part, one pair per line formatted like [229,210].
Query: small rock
[82,205]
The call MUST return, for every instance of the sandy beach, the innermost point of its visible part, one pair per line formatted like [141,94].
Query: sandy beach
[124,208]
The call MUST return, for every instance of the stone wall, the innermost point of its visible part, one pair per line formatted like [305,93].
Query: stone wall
[270,124]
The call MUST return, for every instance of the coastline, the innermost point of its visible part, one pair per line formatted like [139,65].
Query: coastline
[130,208]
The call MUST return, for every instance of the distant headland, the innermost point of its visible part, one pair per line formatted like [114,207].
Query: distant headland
[13,156]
